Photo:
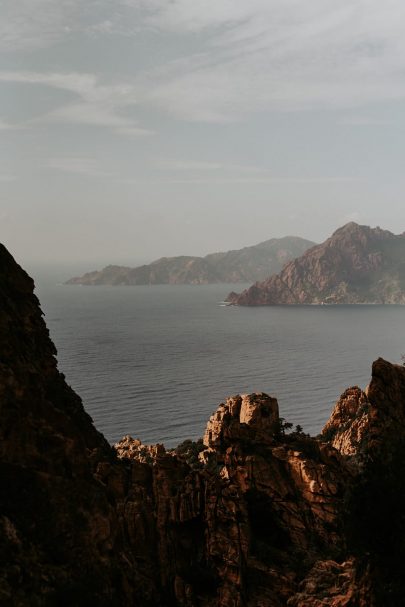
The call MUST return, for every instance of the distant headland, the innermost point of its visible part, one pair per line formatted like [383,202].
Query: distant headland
[245,265]
[356,265]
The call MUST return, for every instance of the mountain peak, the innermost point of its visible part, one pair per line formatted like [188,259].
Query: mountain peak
[357,264]
[351,226]
[355,229]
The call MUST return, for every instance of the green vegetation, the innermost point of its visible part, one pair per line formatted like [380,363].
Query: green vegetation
[282,427]
[188,451]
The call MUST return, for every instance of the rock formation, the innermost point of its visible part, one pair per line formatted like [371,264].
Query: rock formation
[242,265]
[357,264]
[252,516]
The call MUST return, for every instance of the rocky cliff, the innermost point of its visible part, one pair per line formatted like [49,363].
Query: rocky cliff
[357,264]
[242,265]
[251,516]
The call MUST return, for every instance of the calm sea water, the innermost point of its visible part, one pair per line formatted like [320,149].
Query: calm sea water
[155,362]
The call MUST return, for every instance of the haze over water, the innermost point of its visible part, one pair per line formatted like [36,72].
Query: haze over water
[155,362]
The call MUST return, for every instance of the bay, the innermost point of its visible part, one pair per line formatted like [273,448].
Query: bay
[155,361]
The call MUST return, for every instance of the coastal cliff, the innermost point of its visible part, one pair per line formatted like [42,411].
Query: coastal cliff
[254,515]
[357,264]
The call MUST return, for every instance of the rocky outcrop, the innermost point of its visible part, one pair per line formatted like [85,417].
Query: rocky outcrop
[242,265]
[349,425]
[370,421]
[266,513]
[239,415]
[255,515]
[357,264]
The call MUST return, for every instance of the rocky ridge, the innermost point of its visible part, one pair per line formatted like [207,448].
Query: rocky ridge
[241,265]
[252,516]
[357,264]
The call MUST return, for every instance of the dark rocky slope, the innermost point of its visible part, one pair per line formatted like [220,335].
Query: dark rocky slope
[242,265]
[357,264]
[251,517]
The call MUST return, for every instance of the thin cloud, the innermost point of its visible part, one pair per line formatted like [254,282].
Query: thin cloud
[202,165]
[366,121]
[246,57]
[9,126]
[99,105]
[188,165]
[81,83]
[29,25]
[76,164]
[280,55]
[33,24]
[133,131]
[102,27]
[237,173]
[268,180]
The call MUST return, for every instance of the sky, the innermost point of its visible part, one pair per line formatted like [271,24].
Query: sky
[134,129]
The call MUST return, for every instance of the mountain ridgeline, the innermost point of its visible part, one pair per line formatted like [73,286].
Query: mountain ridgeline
[356,265]
[242,265]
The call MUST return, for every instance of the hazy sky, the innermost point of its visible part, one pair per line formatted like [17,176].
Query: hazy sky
[132,129]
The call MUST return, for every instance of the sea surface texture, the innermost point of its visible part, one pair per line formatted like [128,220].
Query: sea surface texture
[155,361]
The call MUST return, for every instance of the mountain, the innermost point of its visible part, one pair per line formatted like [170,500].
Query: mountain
[252,515]
[357,264]
[242,265]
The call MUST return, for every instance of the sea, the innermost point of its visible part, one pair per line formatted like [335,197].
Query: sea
[155,362]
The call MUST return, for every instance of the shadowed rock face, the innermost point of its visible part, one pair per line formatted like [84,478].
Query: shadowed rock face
[62,540]
[248,517]
[357,264]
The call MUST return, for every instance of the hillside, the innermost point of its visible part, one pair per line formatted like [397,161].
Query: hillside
[357,264]
[241,265]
